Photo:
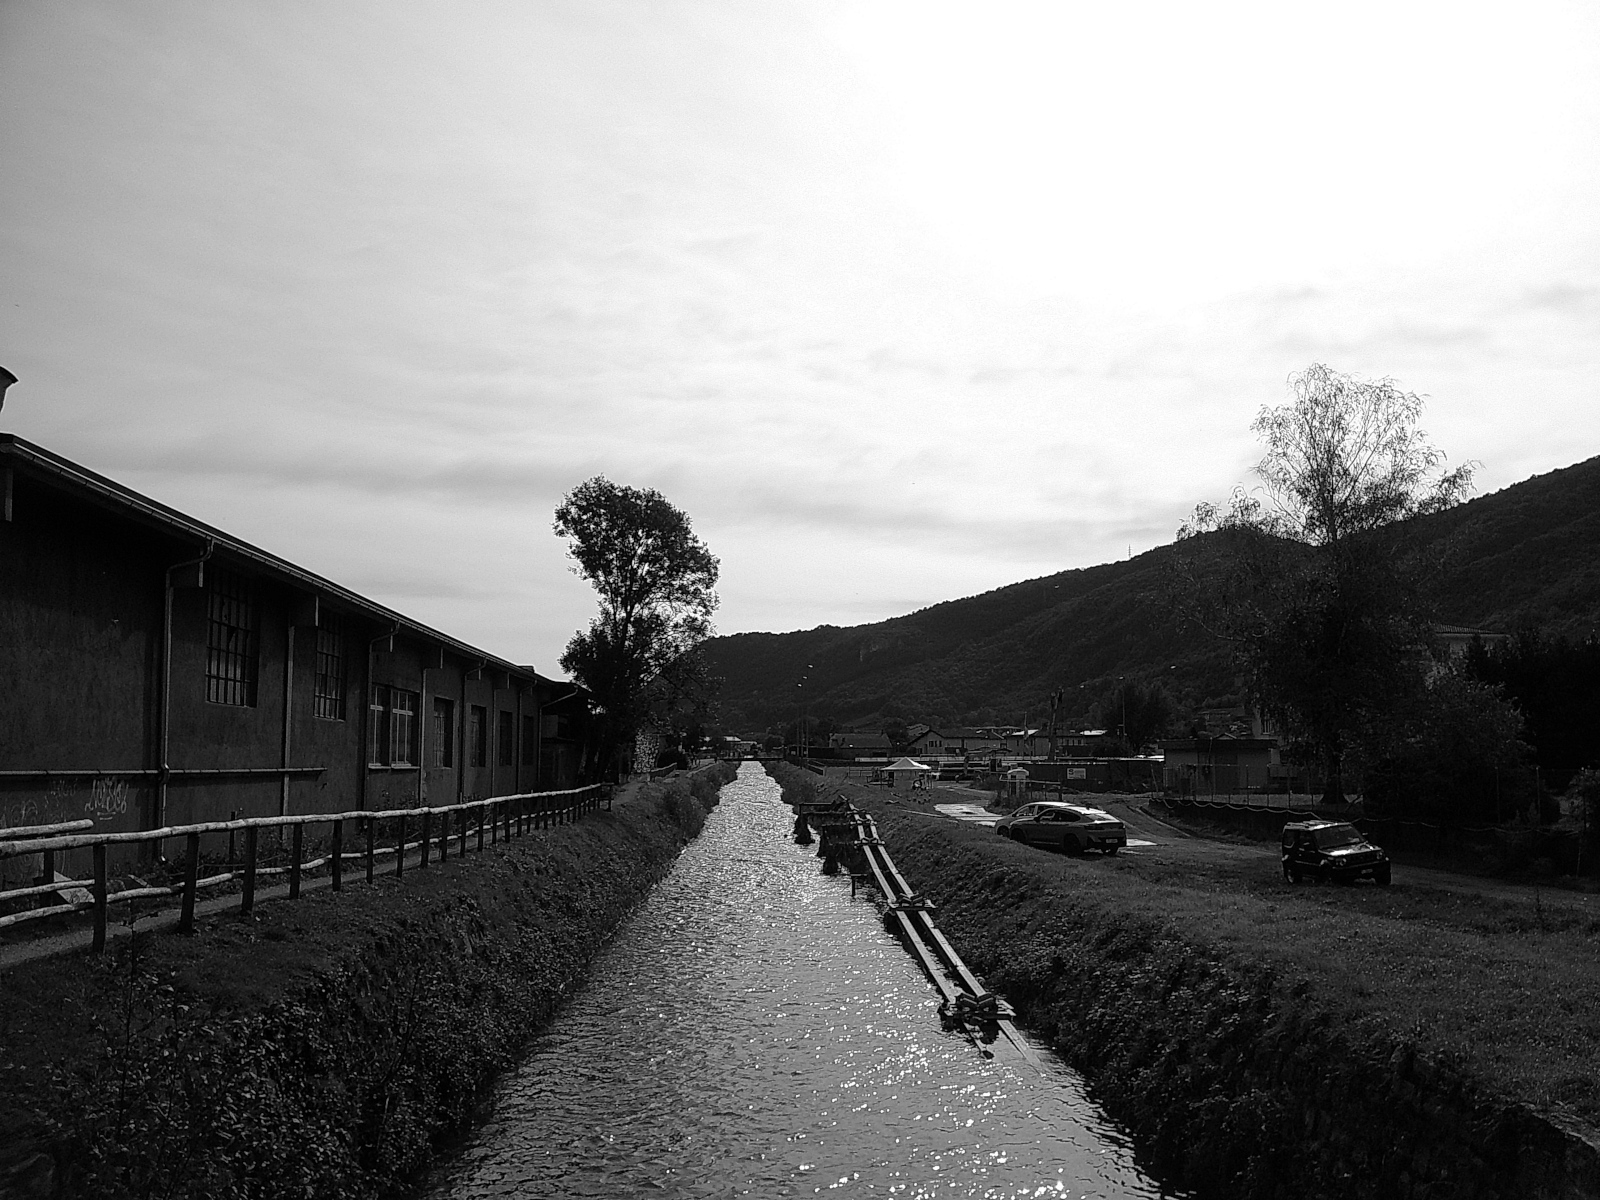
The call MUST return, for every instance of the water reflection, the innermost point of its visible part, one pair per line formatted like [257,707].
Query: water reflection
[754,1032]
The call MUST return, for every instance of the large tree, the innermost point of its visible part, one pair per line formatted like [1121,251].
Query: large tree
[1311,575]
[654,580]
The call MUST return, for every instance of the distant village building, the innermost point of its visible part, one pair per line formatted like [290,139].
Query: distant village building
[159,671]
[1207,765]
[861,743]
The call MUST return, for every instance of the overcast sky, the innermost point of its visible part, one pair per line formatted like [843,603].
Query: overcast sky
[899,301]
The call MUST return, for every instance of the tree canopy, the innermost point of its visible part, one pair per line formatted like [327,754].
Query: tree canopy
[1311,577]
[655,583]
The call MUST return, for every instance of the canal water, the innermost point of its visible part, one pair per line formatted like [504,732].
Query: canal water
[754,1031]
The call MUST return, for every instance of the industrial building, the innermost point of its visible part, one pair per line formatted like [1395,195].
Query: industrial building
[158,672]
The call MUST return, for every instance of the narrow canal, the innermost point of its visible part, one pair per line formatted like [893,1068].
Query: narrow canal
[754,1031]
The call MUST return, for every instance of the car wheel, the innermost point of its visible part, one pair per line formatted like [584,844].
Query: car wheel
[1290,873]
[1380,875]
[1325,874]
[1110,850]
[1072,847]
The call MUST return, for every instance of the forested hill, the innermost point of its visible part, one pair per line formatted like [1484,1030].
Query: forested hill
[1529,554]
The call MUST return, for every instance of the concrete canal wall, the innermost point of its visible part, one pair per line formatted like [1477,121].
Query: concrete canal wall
[326,1047]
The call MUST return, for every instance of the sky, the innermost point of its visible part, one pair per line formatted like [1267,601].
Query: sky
[900,302]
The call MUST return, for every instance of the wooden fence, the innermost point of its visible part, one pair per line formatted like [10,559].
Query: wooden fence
[498,816]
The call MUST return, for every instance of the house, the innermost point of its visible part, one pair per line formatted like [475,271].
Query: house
[160,671]
[860,743]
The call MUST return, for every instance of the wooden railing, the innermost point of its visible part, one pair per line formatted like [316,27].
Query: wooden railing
[498,816]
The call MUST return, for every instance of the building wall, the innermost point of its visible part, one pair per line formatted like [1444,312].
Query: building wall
[82,592]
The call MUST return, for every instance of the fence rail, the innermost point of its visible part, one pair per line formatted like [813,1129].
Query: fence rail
[498,816]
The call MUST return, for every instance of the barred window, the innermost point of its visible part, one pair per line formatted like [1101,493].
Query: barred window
[378,725]
[530,741]
[504,745]
[478,736]
[444,732]
[231,641]
[392,740]
[328,701]
[403,732]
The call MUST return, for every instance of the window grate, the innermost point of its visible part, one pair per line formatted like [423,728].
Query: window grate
[328,700]
[231,641]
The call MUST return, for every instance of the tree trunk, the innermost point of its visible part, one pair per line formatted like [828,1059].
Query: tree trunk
[1333,777]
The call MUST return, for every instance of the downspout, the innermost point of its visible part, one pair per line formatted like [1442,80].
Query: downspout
[165,712]
[422,736]
[288,711]
[461,723]
[366,709]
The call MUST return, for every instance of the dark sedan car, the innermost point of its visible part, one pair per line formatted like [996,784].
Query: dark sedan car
[1057,825]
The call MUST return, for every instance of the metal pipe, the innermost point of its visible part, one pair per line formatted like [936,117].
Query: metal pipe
[165,715]
[288,710]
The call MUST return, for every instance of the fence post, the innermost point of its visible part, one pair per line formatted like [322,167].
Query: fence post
[462,851]
[444,835]
[191,876]
[296,846]
[47,874]
[492,814]
[99,897]
[247,901]
[400,847]
[482,814]
[427,832]
[336,856]
[371,824]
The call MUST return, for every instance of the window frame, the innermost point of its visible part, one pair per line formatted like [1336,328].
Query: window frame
[233,641]
[330,677]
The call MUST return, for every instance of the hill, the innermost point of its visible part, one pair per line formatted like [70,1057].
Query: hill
[1526,555]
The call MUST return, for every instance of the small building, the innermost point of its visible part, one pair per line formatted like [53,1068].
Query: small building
[1208,765]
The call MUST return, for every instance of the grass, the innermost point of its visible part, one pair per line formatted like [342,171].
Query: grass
[1501,985]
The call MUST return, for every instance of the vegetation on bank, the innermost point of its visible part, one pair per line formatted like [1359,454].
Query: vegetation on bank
[1261,1039]
[325,1048]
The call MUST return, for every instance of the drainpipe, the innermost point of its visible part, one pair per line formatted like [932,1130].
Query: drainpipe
[165,712]
[366,709]
[461,774]
[288,709]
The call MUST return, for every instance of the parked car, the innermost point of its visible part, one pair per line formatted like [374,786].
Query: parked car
[1070,828]
[1331,850]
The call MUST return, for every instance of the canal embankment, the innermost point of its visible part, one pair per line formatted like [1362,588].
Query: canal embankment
[1260,1040]
[327,1047]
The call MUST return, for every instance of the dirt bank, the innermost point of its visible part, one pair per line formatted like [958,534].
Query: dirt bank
[324,1047]
[1263,1041]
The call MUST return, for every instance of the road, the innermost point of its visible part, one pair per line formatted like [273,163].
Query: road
[1148,835]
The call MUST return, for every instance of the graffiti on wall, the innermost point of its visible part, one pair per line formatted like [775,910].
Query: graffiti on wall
[107,798]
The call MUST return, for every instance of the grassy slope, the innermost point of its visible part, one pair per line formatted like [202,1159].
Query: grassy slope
[1502,988]
[321,1047]
[1529,553]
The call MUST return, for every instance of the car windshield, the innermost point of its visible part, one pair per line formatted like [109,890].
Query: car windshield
[1335,836]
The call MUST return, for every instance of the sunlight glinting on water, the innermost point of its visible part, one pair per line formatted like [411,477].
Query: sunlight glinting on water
[754,1031]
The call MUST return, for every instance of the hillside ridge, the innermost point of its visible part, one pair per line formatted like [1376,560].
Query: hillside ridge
[1526,555]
